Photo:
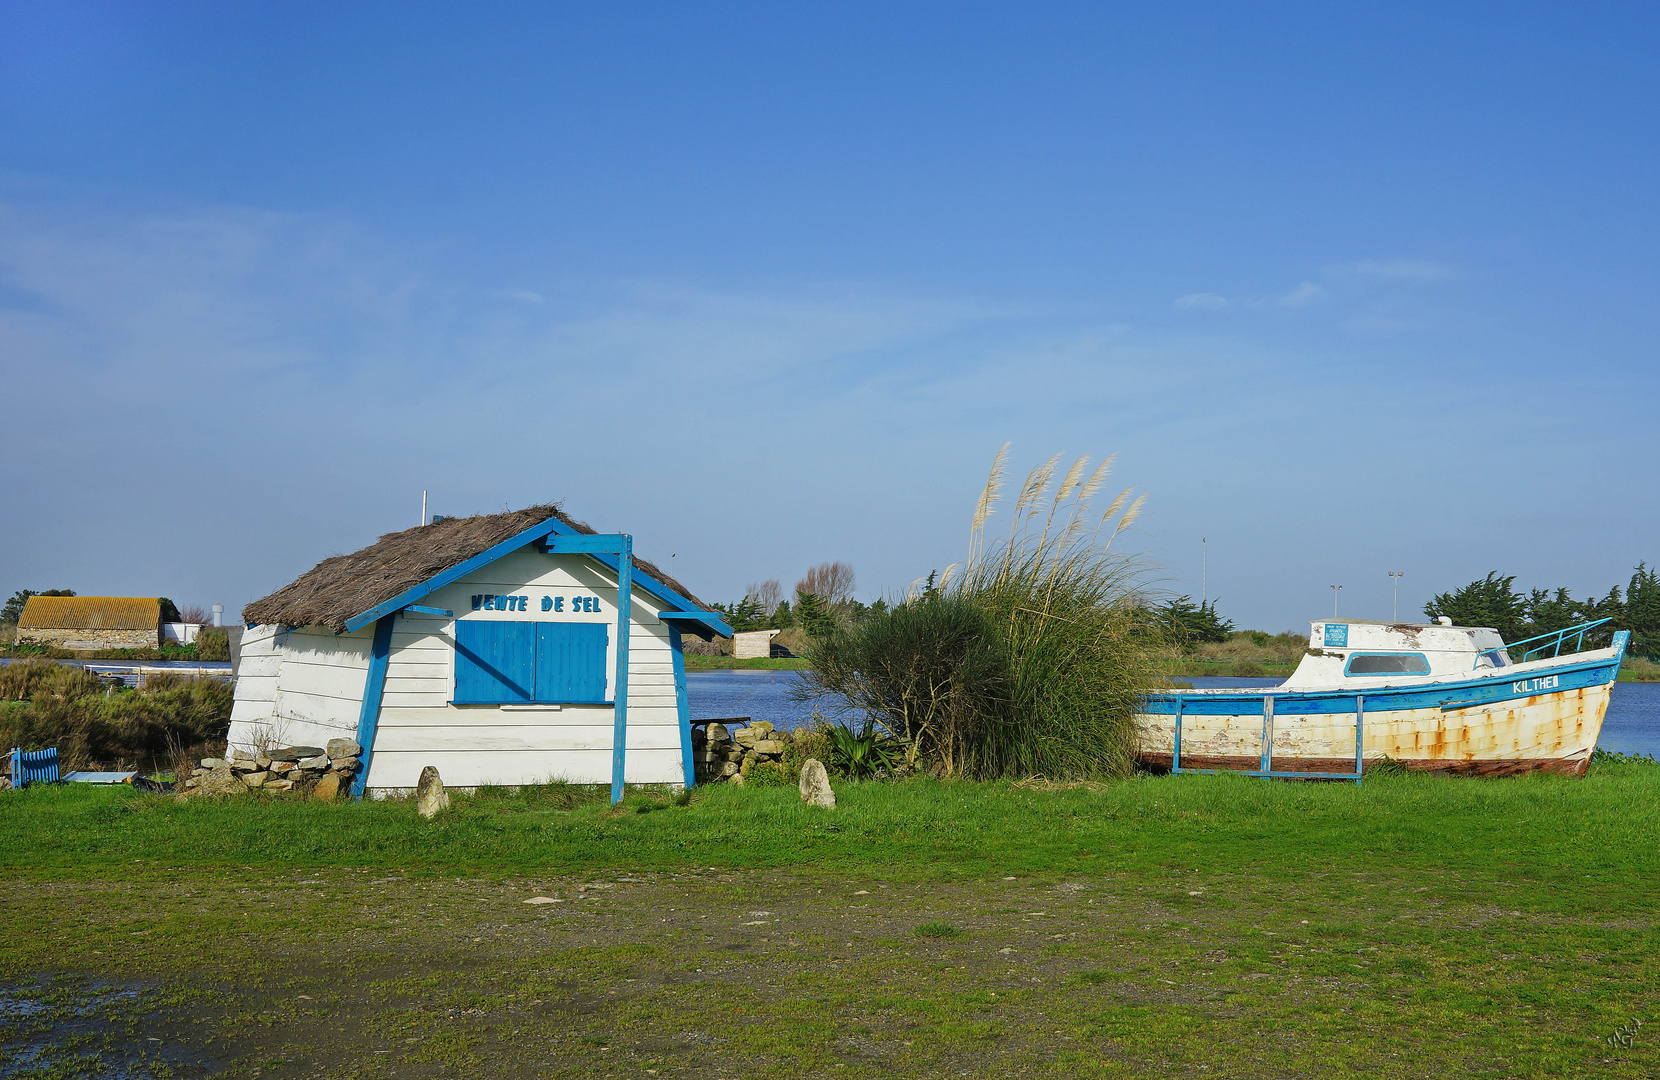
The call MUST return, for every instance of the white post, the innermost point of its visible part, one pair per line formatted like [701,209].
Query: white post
[218,614]
[423,506]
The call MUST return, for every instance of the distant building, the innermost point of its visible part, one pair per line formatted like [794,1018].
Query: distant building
[92,622]
[753,644]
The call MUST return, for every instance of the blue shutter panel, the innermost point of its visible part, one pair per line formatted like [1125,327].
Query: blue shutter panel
[570,662]
[495,662]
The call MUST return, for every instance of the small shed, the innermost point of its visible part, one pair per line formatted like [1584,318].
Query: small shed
[92,622]
[507,648]
[753,644]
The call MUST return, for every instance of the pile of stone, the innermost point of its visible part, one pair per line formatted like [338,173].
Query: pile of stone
[321,772]
[725,754]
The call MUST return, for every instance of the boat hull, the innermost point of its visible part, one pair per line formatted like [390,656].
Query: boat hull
[1545,719]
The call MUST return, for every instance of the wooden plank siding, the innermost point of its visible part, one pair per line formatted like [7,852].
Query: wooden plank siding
[309,685]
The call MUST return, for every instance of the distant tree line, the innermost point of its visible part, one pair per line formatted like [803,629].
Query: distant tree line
[1494,601]
[823,601]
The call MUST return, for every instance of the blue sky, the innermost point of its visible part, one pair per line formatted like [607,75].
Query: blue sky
[1346,288]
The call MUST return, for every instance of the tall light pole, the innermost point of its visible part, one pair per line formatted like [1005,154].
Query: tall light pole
[1204,572]
[1395,579]
[1335,589]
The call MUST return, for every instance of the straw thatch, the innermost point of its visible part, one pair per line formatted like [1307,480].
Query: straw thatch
[90,613]
[346,585]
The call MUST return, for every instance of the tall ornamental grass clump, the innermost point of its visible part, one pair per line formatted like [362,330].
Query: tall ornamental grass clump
[1027,659]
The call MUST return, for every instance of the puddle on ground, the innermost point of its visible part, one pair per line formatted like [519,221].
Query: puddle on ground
[80,1029]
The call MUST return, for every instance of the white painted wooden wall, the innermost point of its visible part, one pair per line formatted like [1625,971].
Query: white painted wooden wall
[306,687]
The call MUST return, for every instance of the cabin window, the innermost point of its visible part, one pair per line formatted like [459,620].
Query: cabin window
[1387,664]
[516,663]
[1493,658]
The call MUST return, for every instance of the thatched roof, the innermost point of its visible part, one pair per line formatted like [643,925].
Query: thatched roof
[90,613]
[346,585]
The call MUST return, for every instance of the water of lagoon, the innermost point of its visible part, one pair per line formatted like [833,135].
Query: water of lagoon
[1632,725]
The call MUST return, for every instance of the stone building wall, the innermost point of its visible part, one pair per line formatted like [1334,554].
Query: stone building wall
[83,638]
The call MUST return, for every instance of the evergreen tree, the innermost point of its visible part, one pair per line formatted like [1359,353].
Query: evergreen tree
[1190,623]
[1642,611]
[1492,601]
[814,615]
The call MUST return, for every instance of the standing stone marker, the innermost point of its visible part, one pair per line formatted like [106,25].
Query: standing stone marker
[430,796]
[815,785]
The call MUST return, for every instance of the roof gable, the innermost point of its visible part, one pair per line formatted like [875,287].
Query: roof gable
[349,591]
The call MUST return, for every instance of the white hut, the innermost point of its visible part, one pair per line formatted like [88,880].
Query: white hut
[504,649]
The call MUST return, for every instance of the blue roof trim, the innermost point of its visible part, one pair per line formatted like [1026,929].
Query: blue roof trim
[651,585]
[513,543]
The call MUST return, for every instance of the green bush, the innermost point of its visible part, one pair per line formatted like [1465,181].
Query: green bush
[1031,661]
[213,643]
[769,774]
[94,724]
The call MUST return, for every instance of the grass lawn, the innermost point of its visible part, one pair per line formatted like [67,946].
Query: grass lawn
[1189,926]
[757,663]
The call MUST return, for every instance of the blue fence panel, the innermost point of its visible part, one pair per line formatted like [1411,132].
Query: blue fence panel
[34,766]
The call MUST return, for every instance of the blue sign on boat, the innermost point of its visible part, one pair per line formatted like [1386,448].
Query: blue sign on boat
[1337,635]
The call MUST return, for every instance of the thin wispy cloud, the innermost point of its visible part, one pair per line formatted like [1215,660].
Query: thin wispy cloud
[1203,301]
[1396,270]
[1303,295]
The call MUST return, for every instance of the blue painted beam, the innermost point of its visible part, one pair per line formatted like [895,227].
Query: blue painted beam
[374,685]
[689,616]
[419,610]
[583,544]
[619,706]
[683,706]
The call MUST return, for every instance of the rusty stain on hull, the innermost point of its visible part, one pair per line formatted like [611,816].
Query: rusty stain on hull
[1552,732]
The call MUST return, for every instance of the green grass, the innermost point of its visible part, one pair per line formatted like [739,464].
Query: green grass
[758,663]
[1414,926]
[1592,833]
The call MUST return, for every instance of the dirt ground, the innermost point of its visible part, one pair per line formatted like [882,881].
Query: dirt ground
[356,973]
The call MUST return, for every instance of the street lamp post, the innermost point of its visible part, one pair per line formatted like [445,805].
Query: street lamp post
[1395,579]
[1335,589]
[1204,572]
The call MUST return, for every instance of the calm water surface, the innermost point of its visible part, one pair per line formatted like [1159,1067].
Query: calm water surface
[1632,725]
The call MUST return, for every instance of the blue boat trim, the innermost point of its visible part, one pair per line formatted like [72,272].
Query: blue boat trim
[1460,694]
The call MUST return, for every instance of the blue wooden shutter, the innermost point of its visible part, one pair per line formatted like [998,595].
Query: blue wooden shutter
[495,662]
[570,662]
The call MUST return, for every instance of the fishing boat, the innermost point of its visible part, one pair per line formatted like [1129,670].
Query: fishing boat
[1431,696]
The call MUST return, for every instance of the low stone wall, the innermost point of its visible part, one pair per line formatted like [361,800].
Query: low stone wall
[723,753]
[321,772]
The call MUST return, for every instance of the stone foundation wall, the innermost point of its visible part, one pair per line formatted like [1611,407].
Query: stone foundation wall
[82,638]
[321,772]
[723,754]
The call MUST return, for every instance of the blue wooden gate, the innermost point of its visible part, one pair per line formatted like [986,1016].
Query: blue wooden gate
[34,766]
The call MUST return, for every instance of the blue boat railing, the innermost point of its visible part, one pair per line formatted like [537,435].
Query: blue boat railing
[1556,639]
[1266,769]
[34,766]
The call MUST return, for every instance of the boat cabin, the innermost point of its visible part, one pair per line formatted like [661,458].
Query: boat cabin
[1363,653]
